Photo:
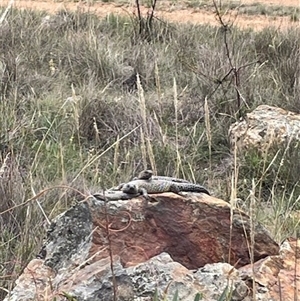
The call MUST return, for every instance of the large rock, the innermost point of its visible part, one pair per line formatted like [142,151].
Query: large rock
[278,275]
[193,230]
[264,127]
[94,282]
[135,236]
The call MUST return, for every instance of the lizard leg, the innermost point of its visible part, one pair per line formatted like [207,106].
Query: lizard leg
[99,196]
[144,193]
[174,188]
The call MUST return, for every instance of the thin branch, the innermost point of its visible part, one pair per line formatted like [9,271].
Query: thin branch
[139,15]
[152,11]
[107,229]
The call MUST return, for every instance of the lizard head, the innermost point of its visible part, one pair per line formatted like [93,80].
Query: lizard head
[145,174]
[130,188]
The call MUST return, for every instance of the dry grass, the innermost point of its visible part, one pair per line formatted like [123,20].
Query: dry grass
[71,116]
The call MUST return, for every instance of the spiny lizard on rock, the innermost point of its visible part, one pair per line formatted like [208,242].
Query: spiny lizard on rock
[113,195]
[146,184]
[148,174]
[150,185]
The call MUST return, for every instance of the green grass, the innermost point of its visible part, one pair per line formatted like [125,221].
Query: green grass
[67,118]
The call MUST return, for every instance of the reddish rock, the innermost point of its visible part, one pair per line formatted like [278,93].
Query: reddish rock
[279,275]
[194,230]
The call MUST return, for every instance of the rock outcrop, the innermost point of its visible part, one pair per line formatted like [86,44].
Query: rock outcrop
[173,243]
[264,127]
[276,277]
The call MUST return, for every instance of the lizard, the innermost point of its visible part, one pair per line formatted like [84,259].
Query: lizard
[150,186]
[147,183]
[113,195]
[148,174]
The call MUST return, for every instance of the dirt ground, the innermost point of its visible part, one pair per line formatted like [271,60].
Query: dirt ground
[173,11]
[294,3]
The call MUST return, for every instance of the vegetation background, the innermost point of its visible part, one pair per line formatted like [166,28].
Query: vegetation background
[74,113]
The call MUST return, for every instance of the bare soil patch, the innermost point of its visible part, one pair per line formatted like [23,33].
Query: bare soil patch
[294,3]
[168,10]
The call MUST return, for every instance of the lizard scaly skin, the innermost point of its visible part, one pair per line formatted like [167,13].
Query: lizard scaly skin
[148,174]
[113,195]
[159,186]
